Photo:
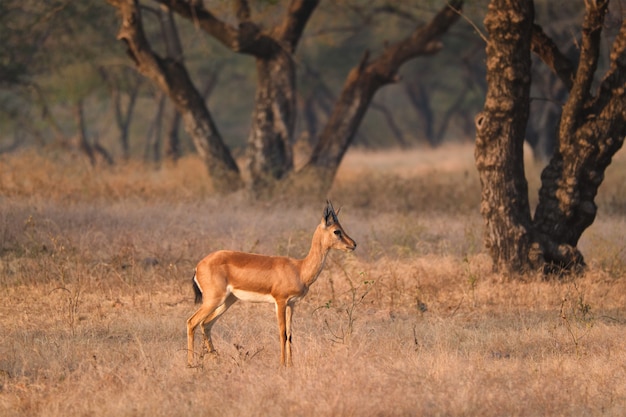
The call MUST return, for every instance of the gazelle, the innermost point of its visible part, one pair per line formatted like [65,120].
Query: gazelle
[223,277]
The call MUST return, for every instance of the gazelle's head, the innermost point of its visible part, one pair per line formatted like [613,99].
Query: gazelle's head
[334,235]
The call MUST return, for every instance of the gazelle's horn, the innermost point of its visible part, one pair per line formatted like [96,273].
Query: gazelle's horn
[329,213]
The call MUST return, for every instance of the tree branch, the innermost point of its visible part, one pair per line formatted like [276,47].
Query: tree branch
[360,86]
[298,14]
[423,41]
[246,39]
[587,64]
[545,48]
[242,10]
[173,44]
[614,78]
[132,33]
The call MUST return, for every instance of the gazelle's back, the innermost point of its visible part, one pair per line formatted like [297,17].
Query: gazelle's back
[236,268]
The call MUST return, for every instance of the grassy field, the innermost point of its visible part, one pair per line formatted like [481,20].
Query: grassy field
[95,289]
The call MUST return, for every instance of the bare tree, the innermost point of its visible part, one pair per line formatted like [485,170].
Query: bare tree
[91,150]
[360,86]
[270,153]
[119,83]
[171,76]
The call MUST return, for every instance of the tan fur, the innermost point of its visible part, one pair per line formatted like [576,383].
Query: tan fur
[223,275]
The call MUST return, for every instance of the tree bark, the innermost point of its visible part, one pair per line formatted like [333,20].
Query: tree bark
[500,130]
[171,76]
[271,138]
[361,84]
[270,154]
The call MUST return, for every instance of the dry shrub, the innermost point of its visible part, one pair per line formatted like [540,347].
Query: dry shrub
[415,182]
[95,271]
[69,178]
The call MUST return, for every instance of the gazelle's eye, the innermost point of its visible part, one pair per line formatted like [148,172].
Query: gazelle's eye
[337,232]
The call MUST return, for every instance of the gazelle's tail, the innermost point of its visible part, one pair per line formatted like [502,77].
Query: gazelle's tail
[197,290]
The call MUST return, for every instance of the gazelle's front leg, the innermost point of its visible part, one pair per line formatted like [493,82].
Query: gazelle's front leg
[281,313]
[288,317]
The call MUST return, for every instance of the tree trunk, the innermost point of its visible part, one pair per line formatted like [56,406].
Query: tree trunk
[204,134]
[420,100]
[152,148]
[123,120]
[83,143]
[174,49]
[171,76]
[500,130]
[592,130]
[361,84]
[274,116]
[173,151]
[123,117]
[395,130]
[270,155]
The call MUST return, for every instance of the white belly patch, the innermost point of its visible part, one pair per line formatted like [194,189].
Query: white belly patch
[254,297]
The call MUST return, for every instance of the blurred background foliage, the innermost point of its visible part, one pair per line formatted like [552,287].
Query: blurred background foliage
[60,54]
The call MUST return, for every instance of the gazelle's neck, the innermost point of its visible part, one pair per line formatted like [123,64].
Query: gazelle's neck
[313,263]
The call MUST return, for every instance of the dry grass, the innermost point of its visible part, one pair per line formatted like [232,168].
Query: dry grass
[95,269]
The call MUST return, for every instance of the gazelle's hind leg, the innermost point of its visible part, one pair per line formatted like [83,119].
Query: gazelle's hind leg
[208,322]
[207,309]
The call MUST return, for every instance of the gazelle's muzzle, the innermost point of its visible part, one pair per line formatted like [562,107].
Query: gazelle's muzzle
[351,246]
